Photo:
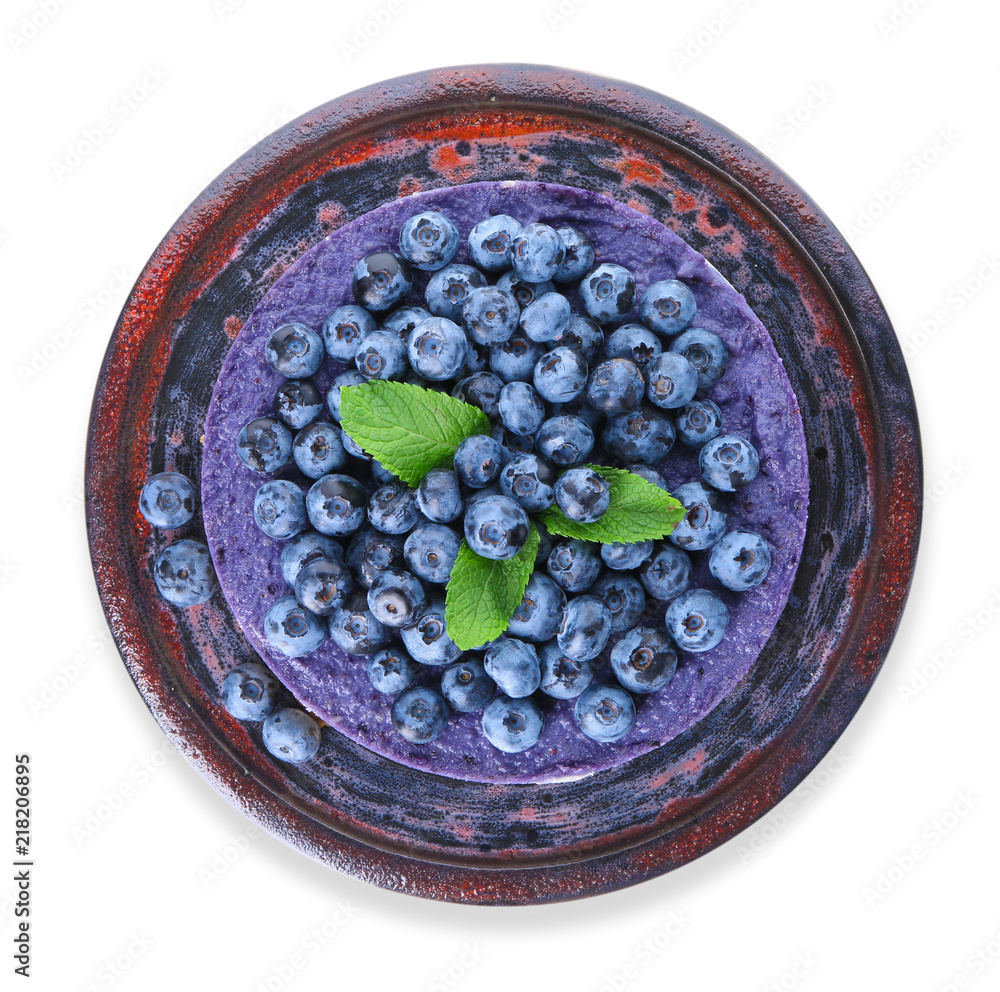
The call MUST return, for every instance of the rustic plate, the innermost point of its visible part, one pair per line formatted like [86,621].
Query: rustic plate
[462,841]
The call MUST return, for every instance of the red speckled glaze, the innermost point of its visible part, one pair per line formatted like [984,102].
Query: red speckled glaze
[507,844]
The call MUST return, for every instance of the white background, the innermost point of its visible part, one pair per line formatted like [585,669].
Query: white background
[879,872]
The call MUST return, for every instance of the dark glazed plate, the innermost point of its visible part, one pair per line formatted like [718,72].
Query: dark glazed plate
[508,844]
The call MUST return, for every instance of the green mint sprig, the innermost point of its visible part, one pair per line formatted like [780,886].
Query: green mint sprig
[638,511]
[410,430]
[483,594]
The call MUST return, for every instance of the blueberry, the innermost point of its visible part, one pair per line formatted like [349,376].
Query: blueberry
[403,319]
[420,715]
[428,240]
[439,497]
[391,670]
[466,686]
[560,375]
[643,435]
[305,548]
[521,408]
[607,292]
[540,611]
[512,444]
[345,329]
[297,403]
[184,573]
[490,241]
[698,422]
[496,527]
[397,597]
[512,725]
[354,629]
[482,389]
[626,557]
[667,307]
[578,257]
[585,628]
[371,552]
[381,280]
[478,460]
[545,544]
[740,560]
[530,481]
[605,713]
[427,640]
[449,288]
[352,377]
[393,509]
[729,463]
[704,520]
[352,447]
[514,360]
[582,495]
[381,475]
[431,551]
[490,315]
[650,474]
[524,292]
[624,598]
[634,342]
[323,585]
[546,318]
[318,450]
[437,349]
[291,735]
[265,445]
[291,629]
[697,620]
[673,381]
[615,387]
[583,335]
[336,505]
[705,351]
[562,677]
[294,350]
[537,252]
[644,660]
[565,440]
[279,509]
[667,574]
[574,565]
[381,355]
[250,692]
[167,500]
[477,358]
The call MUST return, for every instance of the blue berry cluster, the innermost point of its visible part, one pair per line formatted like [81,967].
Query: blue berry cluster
[532,333]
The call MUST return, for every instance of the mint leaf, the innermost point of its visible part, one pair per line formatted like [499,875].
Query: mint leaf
[638,511]
[410,430]
[483,594]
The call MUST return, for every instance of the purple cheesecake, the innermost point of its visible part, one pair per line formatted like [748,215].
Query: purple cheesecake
[757,403]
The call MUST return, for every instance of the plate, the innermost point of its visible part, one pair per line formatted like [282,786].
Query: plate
[417,832]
